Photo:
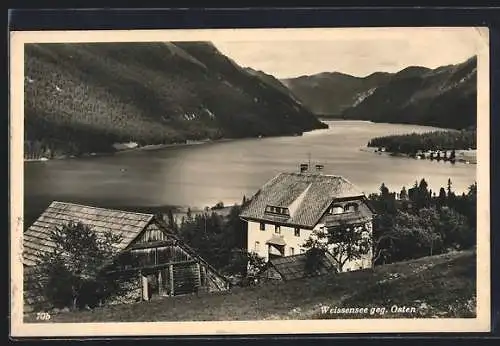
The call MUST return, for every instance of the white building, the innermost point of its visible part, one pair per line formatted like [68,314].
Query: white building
[282,215]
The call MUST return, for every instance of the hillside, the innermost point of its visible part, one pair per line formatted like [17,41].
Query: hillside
[443,97]
[82,98]
[437,286]
[330,93]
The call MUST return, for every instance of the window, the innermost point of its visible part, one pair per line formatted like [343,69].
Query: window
[336,209]
[292,251]
[277,210]
[297,232]
[277,229]
[262,226]
[351,207]
[257,246]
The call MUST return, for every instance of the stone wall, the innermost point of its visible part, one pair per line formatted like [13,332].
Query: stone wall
[131,293]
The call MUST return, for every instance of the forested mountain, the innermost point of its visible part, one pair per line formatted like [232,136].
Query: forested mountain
[330,93]
[443,97]
[82,98]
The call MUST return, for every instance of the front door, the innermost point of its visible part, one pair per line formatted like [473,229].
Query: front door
[152,286]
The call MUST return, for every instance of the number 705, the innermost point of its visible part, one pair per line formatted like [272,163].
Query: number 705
[42,316]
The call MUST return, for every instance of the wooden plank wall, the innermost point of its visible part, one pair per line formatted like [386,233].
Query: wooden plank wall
[152,233]
[182,278]
[186,278]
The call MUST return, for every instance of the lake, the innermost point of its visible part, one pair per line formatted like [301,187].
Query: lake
[201,175]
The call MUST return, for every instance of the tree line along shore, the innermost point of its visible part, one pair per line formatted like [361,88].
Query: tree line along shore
[453,146]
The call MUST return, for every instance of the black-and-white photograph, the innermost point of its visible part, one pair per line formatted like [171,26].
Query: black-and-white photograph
[234,176]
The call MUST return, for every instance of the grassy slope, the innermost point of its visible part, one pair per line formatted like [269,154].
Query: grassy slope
[84,97]
[438,286]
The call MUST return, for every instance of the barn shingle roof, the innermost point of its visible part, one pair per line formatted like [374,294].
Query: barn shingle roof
[314,192]
[37,237]
[294,267]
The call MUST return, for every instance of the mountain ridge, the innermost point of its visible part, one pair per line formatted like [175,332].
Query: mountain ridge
[316,91]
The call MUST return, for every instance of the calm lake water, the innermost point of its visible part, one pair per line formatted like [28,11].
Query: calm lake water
[202,175]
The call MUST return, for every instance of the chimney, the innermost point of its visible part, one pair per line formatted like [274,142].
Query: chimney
[319,168]
[304,167]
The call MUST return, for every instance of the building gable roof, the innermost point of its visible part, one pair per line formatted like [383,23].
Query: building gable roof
[363,214]
[37,237]
[314,192]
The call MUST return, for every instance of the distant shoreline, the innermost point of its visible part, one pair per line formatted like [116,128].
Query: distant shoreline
[323,117]
[466,159]
[153,147]
[147,147]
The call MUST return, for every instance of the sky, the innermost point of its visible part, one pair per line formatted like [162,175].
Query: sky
[357,53]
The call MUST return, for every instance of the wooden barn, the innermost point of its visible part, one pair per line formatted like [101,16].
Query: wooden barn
[295,267]
[162,264]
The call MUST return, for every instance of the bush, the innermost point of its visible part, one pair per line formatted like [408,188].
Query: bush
[72,274]
[424,224]
[245,264]
[313,260]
